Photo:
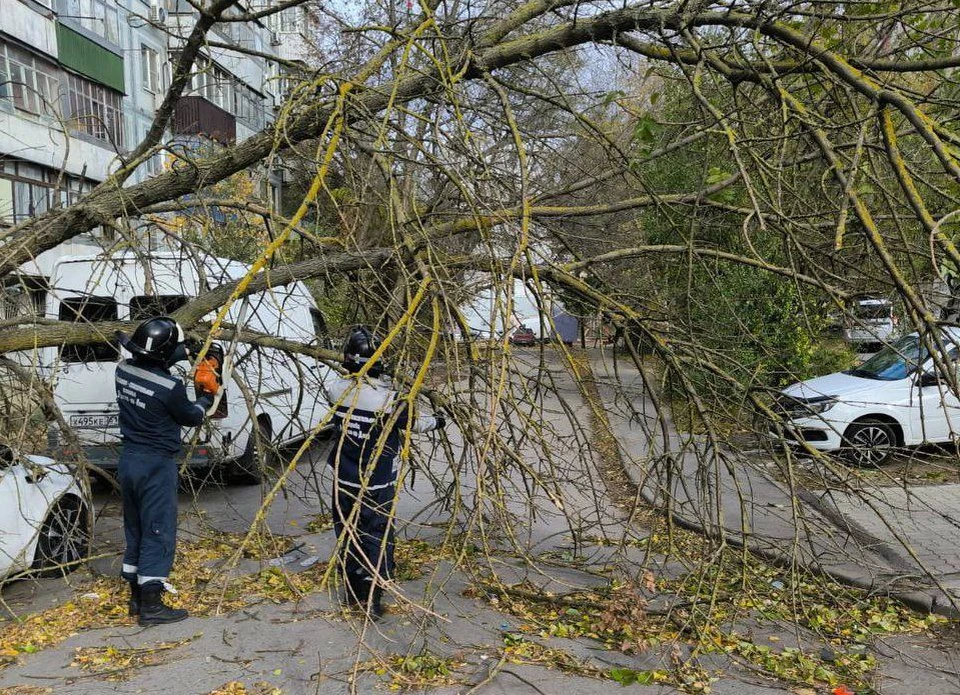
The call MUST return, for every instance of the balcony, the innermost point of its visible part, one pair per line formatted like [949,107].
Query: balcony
[195,115]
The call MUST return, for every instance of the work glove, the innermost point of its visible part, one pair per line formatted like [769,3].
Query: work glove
[192,346]
[205,379]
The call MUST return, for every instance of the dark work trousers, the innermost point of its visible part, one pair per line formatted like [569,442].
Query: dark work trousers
[367,536]
[148,483]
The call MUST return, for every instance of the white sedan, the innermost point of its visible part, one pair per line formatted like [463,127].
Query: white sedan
[896,398]
[45,517]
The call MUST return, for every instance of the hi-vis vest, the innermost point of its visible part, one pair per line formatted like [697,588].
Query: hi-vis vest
[366,454]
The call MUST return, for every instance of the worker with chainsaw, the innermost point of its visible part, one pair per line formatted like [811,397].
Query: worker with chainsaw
[371,423]
[154,406]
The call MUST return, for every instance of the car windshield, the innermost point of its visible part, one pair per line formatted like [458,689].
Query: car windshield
[896,361]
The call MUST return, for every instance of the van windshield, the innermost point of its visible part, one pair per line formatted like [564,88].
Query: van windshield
[873,311]
[146,307]
[896,361]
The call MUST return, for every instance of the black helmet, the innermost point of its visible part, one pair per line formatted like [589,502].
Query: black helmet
[159,340]
[359,348]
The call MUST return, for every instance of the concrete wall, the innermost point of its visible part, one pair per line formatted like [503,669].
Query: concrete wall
[37,141]
[34,28]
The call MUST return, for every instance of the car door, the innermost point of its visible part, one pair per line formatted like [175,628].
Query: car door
[22,510]
[939,407]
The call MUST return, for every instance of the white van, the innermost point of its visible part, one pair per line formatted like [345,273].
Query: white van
[871,324]
[285,394]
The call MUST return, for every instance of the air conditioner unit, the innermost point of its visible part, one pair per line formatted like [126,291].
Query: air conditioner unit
[158,13]
[274,38]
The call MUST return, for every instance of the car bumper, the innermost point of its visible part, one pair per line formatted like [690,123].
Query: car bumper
[859,336]
[107,456]
[822,435]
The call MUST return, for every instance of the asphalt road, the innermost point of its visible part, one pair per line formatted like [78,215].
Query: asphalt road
[310,646]
[203,506]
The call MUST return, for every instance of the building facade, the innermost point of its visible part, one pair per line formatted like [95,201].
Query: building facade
[80,82]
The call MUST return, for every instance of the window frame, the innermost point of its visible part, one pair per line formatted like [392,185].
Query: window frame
[30,182]
[89,113]
[31,83]
[96,16]
[150,69]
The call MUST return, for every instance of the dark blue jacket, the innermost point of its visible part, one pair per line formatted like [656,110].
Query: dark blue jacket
[365,452]
[154,406]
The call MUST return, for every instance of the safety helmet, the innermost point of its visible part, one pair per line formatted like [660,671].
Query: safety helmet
[159,340]
[359,348]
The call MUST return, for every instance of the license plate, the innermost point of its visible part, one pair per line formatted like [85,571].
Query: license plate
[94,422]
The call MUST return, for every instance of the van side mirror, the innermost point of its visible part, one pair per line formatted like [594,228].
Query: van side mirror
[928,379]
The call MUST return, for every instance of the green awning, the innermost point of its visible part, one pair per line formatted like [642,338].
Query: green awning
[89,58]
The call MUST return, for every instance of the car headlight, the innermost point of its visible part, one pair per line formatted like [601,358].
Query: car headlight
[821,406]
[793,408]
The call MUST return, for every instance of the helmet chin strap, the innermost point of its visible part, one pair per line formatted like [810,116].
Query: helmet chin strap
[179,353]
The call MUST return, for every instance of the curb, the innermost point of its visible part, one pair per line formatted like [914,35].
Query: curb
[932,600]
[923,601]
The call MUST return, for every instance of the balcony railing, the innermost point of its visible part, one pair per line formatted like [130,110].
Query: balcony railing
[195,115]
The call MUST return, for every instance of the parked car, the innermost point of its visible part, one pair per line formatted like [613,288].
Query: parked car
[871,323]
[896,398]
[523,336]
[45,517]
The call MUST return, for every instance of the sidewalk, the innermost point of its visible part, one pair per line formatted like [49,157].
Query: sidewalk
[725,493]
[919,526]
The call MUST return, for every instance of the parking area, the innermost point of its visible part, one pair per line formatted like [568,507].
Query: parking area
[913,466]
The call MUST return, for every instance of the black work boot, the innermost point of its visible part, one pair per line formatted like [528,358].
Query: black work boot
[133,605]
[358,590]
[153,611]
[376,602]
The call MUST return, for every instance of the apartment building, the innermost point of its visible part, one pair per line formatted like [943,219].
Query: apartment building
[292,31]
[80,81]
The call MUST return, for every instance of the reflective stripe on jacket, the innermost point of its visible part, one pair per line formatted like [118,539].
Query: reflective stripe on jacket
[363,409]
[154,406]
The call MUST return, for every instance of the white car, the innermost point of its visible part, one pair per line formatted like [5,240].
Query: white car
[896,398]
[44,516]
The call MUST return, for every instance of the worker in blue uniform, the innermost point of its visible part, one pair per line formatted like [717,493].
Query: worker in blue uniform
[371,422]
[154,406]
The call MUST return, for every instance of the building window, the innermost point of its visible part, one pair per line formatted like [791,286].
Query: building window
[94,110]
[31,82]
[154,165]
[219,87]
[150,69]
[290,20]
[27,190]
[99,16]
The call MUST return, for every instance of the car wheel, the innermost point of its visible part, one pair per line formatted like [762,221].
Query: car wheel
[250,468]
[870,443]
[64,538]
